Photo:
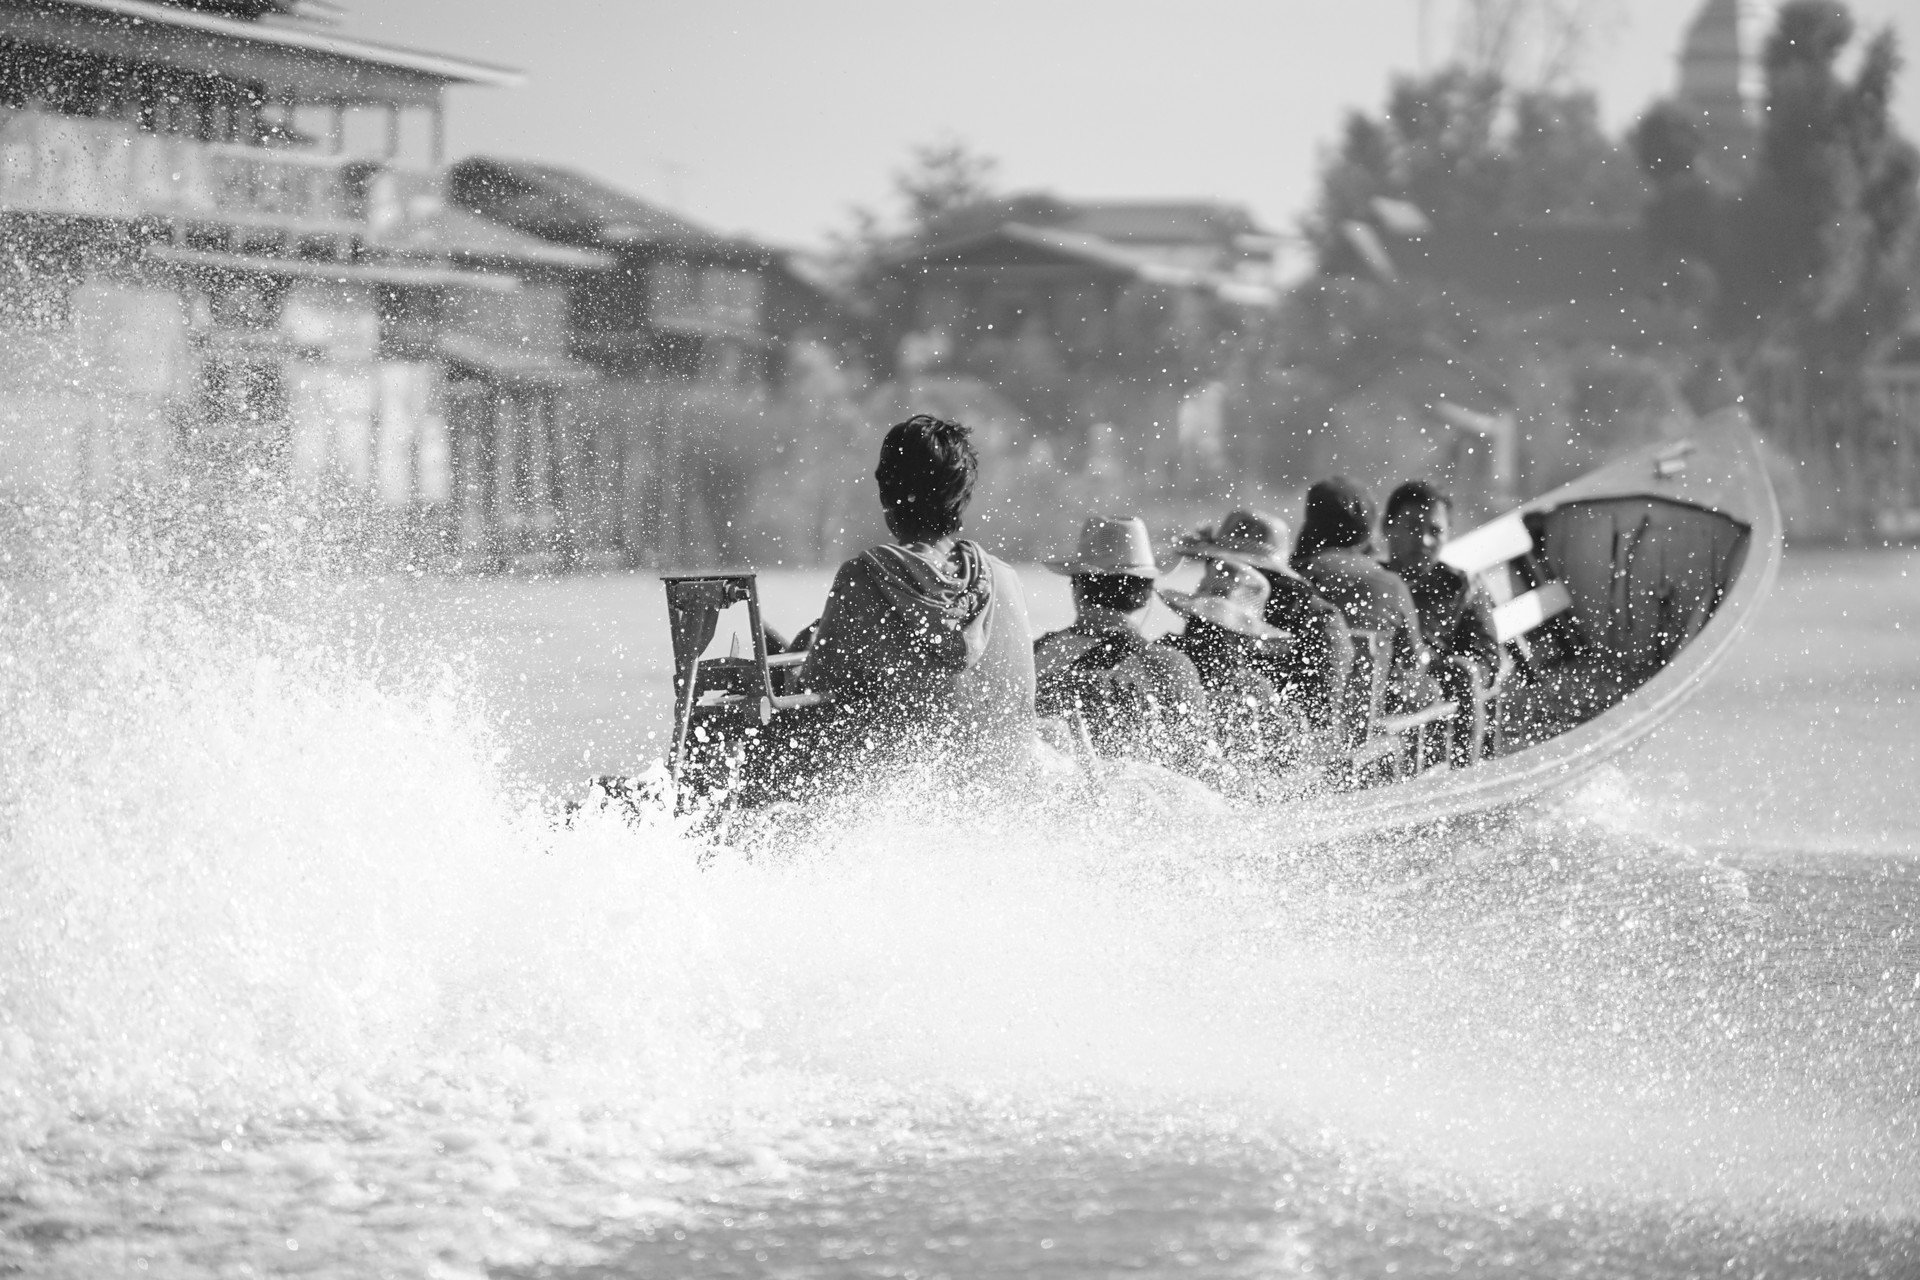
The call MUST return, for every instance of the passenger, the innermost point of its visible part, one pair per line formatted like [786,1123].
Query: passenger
[1135,697]
[1226,637]
[1453,618]
[1335,554]
[1311,672]
[924,643]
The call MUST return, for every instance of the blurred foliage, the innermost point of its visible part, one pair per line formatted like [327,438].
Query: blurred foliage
[1469,150]
[1809,246]
[1794,270]
[1813,246]
[1369,353]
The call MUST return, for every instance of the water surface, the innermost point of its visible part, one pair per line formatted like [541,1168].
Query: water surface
[298,975]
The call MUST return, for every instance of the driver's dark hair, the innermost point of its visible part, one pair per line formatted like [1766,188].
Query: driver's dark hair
[1124,592]
[926,473]
[1414,493]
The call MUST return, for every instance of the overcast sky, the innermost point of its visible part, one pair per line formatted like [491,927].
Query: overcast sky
[772,117]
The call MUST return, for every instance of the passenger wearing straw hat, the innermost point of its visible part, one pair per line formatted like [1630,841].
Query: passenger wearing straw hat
[1131,696]
[1225,636]
[1311,672]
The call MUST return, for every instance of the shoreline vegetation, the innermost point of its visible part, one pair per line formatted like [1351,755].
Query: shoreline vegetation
[1496,294]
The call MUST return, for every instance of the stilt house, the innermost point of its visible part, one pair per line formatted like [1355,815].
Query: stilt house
[227,247]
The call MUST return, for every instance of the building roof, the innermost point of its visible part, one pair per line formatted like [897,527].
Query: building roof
[1163,222]
[427,274]
[504,362]
[1016,246]
[559,204]
[1021,244]
[220,37]
[447,231]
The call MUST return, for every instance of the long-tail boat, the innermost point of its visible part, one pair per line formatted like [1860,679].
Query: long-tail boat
[1616,596]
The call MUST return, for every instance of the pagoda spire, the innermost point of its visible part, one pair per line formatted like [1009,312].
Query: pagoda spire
[1720,80]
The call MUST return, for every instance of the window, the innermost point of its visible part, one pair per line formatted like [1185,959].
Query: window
[731,296]
[671,293]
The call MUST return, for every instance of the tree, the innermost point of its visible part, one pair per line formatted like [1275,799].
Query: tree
[1539,43]
[944,189]
[943,179]
[1469,151]
[1824,237]
[940,181]
[1807,264]
[1815,250]
[1683,220]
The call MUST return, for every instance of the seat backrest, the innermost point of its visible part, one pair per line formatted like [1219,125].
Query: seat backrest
[1491,545]
[1500,557]
[694,604]
[1514,618]
[1366,696]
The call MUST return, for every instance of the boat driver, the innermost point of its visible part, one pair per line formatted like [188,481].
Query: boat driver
[1132,697]
[1453,619]
[924,645]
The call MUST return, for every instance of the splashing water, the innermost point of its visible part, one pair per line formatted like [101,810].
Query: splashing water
[293,978]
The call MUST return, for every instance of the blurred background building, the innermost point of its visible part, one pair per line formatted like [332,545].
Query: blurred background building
[234,247]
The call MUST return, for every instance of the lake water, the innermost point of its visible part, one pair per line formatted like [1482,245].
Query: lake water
[297,974]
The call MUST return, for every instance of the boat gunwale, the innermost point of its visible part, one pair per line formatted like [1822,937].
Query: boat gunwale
[1565,759]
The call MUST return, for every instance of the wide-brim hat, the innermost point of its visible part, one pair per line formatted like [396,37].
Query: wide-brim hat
[1225,613]
[1252,538]
[1111,545]
[1233,597]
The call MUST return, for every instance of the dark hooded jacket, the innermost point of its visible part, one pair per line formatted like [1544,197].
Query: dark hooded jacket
[926,656]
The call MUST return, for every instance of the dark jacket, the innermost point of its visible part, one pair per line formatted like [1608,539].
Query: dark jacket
[1452,619]
[1250,722]
[1312,671]
[1135,697]
[1373,598]
[921,656]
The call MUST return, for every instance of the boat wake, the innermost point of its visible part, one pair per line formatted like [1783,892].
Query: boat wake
[288,961]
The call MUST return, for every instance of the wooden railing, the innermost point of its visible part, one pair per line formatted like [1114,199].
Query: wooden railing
[112,169]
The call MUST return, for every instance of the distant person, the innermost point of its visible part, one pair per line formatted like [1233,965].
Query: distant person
[1335,553]
[1133,697]
[924,643]
[1453,616]
[1453,619]
[1227,637]
[1311,671]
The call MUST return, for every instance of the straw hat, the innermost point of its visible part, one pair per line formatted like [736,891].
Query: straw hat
[1232,597]
[1244,537]
[1112,544]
